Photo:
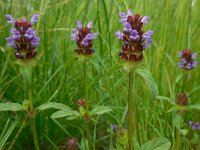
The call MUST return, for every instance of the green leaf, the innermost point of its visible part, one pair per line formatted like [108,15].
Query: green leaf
[167,99]
[157,144]
[146,74]
[11,107]
[99,110]
[50,105]
[184,132]
[195,106]
[66,113]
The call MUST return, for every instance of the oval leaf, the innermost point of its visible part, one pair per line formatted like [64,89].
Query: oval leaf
[66,113]
[11,107]
[157,144]
[194,107]
[99,110]
[54,105]
[146,74]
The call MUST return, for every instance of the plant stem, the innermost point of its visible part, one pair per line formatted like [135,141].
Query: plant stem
[18,133]
[34,134]
[32,117]
[87,107]
[130,112]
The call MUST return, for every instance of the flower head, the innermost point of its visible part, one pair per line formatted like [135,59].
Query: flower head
[83,38]
[72,144]
[187,60]
[135,40]
[195,125]
[182,99]
[23,39]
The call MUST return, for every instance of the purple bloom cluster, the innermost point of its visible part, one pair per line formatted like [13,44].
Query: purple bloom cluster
[188,60]
[83,38]
[133,37]
[195,125]
[23,39]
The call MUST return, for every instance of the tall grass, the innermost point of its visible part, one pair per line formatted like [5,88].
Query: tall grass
[57,76]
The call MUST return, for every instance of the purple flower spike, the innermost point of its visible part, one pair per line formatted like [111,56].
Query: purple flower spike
[10,19]
[23,39]
[34,18]
[84,38]
[194,125]
[187,60]
[133,37]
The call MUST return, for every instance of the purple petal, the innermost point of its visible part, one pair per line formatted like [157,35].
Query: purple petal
[9,39]
[126,24]
[150,32]
[194,64]
[84,43]
[180,65]
[95,35]
[194,55]
[30,33]
[129,30]
[189,66]
[119,35]
[10,19]
[184,61]
[79,24]
[129,12]
[194,125]
[149,40]
[122,14]
[34,18]
[89,25]
[73,37]
[145,20]
[180,54]
[123,17]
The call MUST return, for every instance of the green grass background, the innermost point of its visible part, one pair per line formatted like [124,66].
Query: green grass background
[58,76]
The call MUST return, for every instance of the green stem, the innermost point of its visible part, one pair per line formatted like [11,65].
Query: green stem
[130,112]
[32,116]
[34,134]
[87,107]
[18,133]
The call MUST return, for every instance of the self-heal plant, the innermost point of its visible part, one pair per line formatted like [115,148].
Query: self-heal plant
[84,37]
[187,62]
[24,41]
[135,40]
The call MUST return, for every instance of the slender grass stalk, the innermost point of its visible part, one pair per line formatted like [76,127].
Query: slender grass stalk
[130,111]
[87,107]
[18,133]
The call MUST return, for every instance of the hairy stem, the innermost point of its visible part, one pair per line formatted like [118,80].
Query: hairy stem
[32,116]
[87,107]
[130,112]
